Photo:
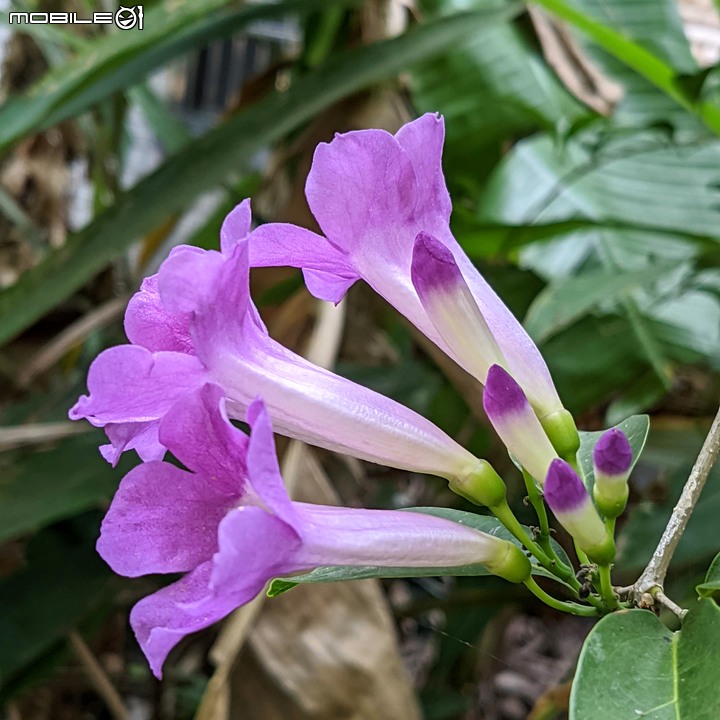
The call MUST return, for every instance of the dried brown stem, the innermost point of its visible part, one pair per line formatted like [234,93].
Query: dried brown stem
[653,577]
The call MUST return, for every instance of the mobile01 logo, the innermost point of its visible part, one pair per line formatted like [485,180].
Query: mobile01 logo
[126,18]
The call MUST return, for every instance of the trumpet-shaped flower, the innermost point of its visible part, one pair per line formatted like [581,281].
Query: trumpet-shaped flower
[569,500]
[612,460]
[372,193]
[228,523]
[517,425]
[195,323]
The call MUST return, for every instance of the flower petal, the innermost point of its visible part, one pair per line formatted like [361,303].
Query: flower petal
[162,619]
[148,323]
[187,278]
[129,384]
[235,227]
[162,520]
[423,140]
[362,188]
[197,432]
[327,270]
[254,546]
[142,437]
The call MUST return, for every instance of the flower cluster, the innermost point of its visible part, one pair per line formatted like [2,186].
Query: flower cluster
[199,355]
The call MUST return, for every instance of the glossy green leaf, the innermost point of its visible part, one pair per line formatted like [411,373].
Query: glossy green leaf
[484,523]
[216,156]
[632,666]
[636,430]
[118,60]
[639,179]
[39,486]
[566,300]
[490,87]
[712,579]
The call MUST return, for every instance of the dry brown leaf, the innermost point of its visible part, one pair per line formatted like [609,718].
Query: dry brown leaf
[579,74]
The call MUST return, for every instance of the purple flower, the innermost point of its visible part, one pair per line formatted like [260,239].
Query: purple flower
[515,422]
[612,461]
[568,498]
[372,193]
[195,323]
[228,523]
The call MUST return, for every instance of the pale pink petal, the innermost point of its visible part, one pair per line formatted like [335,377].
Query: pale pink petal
[235,227]
[197,432]
[129,384]
[148,323]
[362,189]
[422,140]
[162,520]
[141,437]
[163,619]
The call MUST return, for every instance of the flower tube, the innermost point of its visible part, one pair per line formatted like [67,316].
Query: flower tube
[228,523]
[568,498]
[372,193]
[612,460]
[517,425]
[196,323]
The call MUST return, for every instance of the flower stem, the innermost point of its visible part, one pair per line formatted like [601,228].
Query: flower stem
[543,539]
[568,607]
[506,516]
[606,588]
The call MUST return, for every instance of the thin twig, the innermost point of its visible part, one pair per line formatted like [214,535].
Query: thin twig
[654,574]
[666,602]
[73,334]
[12,437]
[98,677]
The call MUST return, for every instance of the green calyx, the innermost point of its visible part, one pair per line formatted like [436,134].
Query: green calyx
[611,499]
[560,428]
[602,553]
[481,486]
[510,563]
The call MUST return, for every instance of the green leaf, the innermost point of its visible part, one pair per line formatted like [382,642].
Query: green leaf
[216,156]
[38,486]
[636,429]
[564,301]
[490,87]
[639,179]
[484,523]
[63,580]
[121,59]
[712,579]
[632,666]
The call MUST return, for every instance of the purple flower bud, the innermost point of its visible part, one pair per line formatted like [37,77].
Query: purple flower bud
[612,459]
[568,498]
[612,454]
[564,490]
[451,307]
[515,422]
